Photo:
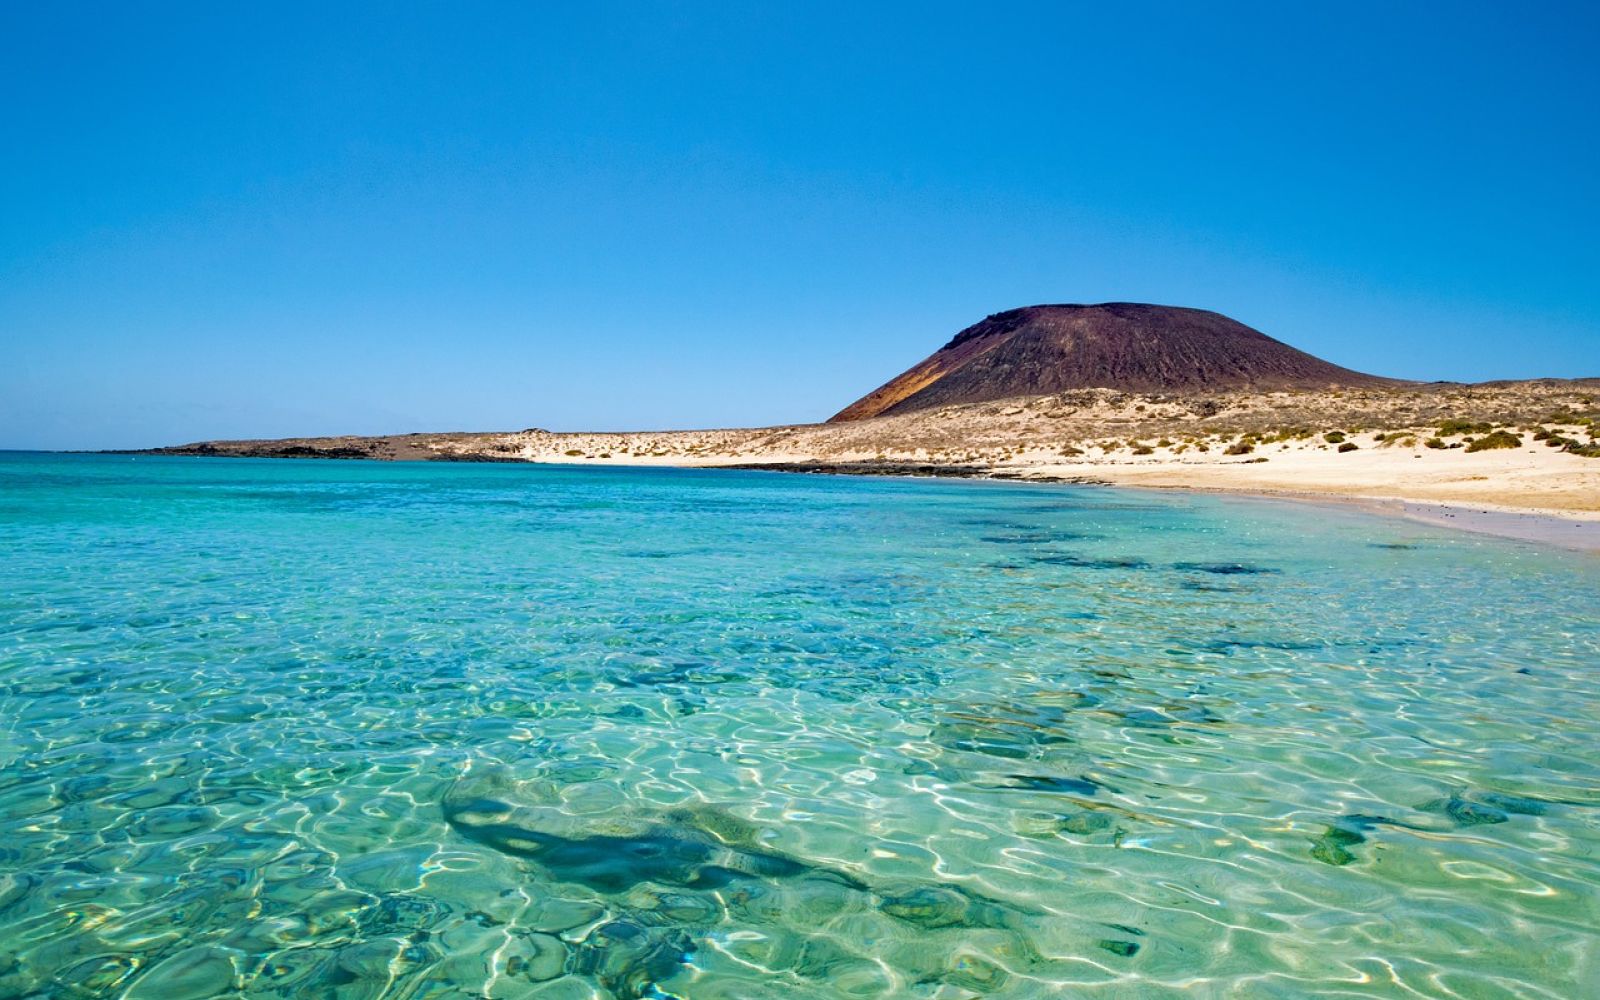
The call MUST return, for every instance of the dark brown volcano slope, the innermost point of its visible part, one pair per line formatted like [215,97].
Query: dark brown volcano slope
[1119,345]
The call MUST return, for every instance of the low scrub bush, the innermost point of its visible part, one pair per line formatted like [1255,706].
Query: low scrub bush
[1498,439]
[1348,446]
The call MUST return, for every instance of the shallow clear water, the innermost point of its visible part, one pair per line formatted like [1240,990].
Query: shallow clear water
[306,729]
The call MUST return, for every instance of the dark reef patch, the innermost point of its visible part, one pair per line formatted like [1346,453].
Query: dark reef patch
[1087,562]
[1224,568]
[628,959]
[1464,812]
[1037,537]
[1125,949]
[1014,732]
[935,907]
[1343,833]
[679,854]
[1052,783]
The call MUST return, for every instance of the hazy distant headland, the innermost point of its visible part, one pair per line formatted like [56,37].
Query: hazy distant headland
[1121,393]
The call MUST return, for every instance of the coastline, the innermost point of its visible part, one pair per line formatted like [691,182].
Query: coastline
[1573,530]
[1564,532]
[1521,460]
[1576,534]
[1562,529]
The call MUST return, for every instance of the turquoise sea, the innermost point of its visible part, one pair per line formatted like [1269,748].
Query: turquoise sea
[359,730]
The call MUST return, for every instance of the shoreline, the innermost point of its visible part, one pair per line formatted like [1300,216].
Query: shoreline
[1568,530]
[1491,457]
[1545,527]
[1560,530]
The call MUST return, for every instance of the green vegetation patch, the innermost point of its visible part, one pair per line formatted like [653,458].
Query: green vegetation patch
[1348,446]
[1450,428]
[1498,439]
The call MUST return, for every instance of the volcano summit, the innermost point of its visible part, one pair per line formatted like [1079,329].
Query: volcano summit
[1038,350]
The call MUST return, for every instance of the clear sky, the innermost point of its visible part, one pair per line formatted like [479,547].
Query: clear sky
[232,220]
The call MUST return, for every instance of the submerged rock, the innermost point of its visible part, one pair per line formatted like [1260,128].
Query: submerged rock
[536,958]
[690,848]
[1330,848]
[664,855]
[1465,813]
[939,906]
[1343,833]
[671,877]
[400,913]
[1088,562]
[974,972]
[630,959]
[1521,805]
[1052,783]
[198,972]
[1223,568]
[1012,732]
[1084,824]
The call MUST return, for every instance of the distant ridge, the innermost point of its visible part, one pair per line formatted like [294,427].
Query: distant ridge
[1044,349]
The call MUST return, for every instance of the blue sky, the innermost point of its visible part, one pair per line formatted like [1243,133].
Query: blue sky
[229,220]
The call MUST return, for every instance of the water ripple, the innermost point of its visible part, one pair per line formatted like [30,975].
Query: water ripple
[288,729]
